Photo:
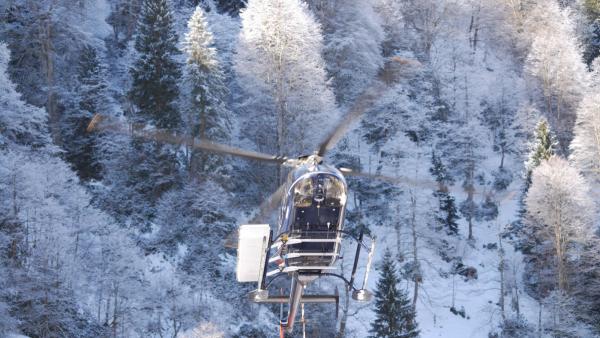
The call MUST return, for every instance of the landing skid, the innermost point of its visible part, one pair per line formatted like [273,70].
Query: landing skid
[302,276]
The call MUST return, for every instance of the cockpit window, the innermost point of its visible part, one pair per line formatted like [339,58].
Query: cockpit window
[319,189]
[303,193]
[334,192]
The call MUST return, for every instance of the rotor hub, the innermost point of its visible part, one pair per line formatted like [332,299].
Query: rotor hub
[313,159]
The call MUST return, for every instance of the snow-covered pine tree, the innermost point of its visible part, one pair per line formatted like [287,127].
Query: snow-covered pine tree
[123,18]
[591,9]
[149,169]
[66,268]
[26,23]
[439,171]
[232,7]
[43,67]
[447,215]
[448,208]
[82,147]
[155,73]
[394,314]
[206,115]
[542,148]
[20,123]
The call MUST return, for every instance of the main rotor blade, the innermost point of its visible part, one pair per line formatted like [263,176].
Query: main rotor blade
[264,210]
[429,184]
[365,100]
[100,122]
[419,183]
[362,103]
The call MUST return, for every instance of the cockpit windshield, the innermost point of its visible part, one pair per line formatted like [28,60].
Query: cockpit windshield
[321,189]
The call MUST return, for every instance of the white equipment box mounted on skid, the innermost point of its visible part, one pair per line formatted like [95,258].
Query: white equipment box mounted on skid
[252,248]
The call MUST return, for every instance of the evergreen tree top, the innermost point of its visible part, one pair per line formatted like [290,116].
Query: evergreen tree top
[89,67]
[543,147]
[439,170]
[394,313]
[155,28]
[156,73]
[198,42]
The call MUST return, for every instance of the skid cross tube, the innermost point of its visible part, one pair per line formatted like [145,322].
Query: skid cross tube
[304,299]
[344,232]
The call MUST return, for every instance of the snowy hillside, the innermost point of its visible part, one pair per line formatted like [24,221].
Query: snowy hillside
[476,125]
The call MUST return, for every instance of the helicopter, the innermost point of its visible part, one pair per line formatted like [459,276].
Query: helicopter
[306,242]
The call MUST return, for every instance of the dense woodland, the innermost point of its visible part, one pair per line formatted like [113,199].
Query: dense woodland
[487,112]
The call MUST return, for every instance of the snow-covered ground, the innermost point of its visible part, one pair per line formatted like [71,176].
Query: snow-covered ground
[441,290]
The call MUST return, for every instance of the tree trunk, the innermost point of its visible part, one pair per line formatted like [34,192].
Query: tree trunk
[416,274]
[560,247]
[342,331]
[115,314]
[107,310]
[470,188]
[540,321]
[48,65]
[501,269]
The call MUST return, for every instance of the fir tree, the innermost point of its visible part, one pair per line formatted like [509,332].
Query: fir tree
[154,92]
[123,18]
[543,148]
[82,148]
[448,214]
[206,114]
[395,316]
[591,9]
[439,171]
[231,7]
[155,73]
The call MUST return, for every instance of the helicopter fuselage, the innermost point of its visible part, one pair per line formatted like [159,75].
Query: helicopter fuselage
[312,216]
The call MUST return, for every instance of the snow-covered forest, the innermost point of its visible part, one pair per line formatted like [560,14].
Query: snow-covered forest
[487,113]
